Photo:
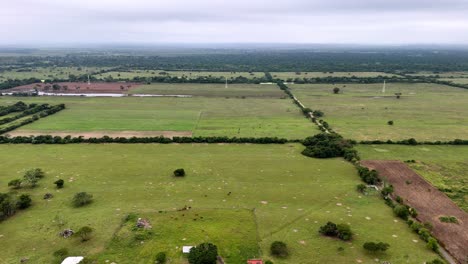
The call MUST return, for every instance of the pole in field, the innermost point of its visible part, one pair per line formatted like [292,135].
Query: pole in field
[383,89]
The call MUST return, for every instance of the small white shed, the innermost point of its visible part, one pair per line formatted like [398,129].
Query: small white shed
[186,249]
[72,260]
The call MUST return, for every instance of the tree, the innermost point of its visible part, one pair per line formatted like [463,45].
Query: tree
[374,247]
[279,249]
[390,123]
[329,229]
[59,183]
[161,258]
[24,201]
[318,113]
[81,199]
[85,233]
[361,188]
[436,261]
[179,173]
[306,110]
[336,90]
[432,244]
[15,184]
[344,232]
[205,253]
[32,176]
[401,211]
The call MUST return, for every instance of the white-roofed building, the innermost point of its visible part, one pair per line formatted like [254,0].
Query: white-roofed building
[72,260]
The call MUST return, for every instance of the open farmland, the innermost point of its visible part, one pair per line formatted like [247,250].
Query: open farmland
[293,75]
[361,111]
[250,117]
[260,194]
[443,166]
[186,74]
[211,90]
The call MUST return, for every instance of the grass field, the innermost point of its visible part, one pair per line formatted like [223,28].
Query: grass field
[187,74]
[212,90]
[288,75]
[244,197]
[45,73]
[361,111]
[443,166]
[203,116]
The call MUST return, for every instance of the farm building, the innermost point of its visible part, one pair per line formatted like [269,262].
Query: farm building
[186,249]
[254,261]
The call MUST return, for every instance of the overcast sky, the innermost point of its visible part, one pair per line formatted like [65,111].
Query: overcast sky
[34,22]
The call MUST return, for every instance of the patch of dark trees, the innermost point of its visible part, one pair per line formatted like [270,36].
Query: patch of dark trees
[330,145]
[48,139]
[414,142]
[30,109]
[17,107]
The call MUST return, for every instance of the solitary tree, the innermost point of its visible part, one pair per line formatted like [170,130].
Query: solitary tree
[279,249]
[336,90]
[390,123]
[374,247]
[59,183]
[82,198]
[205,253]
[85,233]
[179,173]
[24,201]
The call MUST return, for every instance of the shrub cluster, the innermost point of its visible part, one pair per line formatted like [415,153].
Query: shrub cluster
[368,176]
[425,234]
[205,253]
[17,107]
[413,142]
[9,204]
[82,199]
[331,145]
[279,249]
[375,246]
[341,231]
[32,109]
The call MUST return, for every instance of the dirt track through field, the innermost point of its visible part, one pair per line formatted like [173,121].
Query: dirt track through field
[98,134]
[430,204]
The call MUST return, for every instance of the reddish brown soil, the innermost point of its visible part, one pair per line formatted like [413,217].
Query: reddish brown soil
[430,204]
[78,87]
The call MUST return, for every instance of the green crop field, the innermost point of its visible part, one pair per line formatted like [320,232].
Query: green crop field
[443,166]
[361,111]
[242,198]
[212,90]
[203,116]
[187,74]
[292,75]
[45,73]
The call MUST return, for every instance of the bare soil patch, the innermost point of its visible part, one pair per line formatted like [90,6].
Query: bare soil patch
[98,134]
[430,204]
[77,87]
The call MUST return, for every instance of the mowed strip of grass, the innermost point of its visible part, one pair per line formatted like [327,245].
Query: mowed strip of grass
[212,90]
[443,166]
[186,74]
[290,195]
[250,117]
[361,111]
[294,75]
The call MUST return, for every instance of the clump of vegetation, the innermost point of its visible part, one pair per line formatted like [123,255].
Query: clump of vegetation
[15,184]
[448,219]
[59,183]
[24,201]
[9,204]
[436,261]
[432,244]
[401,211]
[179,173]
[390,123]
[268,262]
[161,258]
[369,176]
[85,233]
[326,145]
[341,231]
[375,246]
[205,253]
[336,90]
[82,199]
[61,254]
[361,188]
[279,249]
[318,113]
[32,177]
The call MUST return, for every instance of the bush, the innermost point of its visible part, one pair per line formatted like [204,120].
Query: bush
[317,113]
[401,211]
[269,262]
[179,173]
[15,184]
[59,183]
[205,253]
[161,258]
[436,261]
[329,229]
[24,201]
[85,233]
[374,247]
[32,176]
[361,188]
[61,253]
[279,249]
[82,199]
[390,123]
[326,145]
[448,219]
[344,232]
[432,244]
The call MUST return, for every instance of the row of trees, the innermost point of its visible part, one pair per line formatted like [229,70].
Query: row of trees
[48,139]
[16,107]
[32,109]
[413,142]
[50,110]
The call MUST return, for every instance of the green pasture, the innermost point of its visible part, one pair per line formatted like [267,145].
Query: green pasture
[44,73]
[212,90]
[188,74]
[443,166]
[243,198]
[361,111]
[250,117]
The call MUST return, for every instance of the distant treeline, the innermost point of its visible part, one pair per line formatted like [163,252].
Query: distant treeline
[48,139]
[279,60]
